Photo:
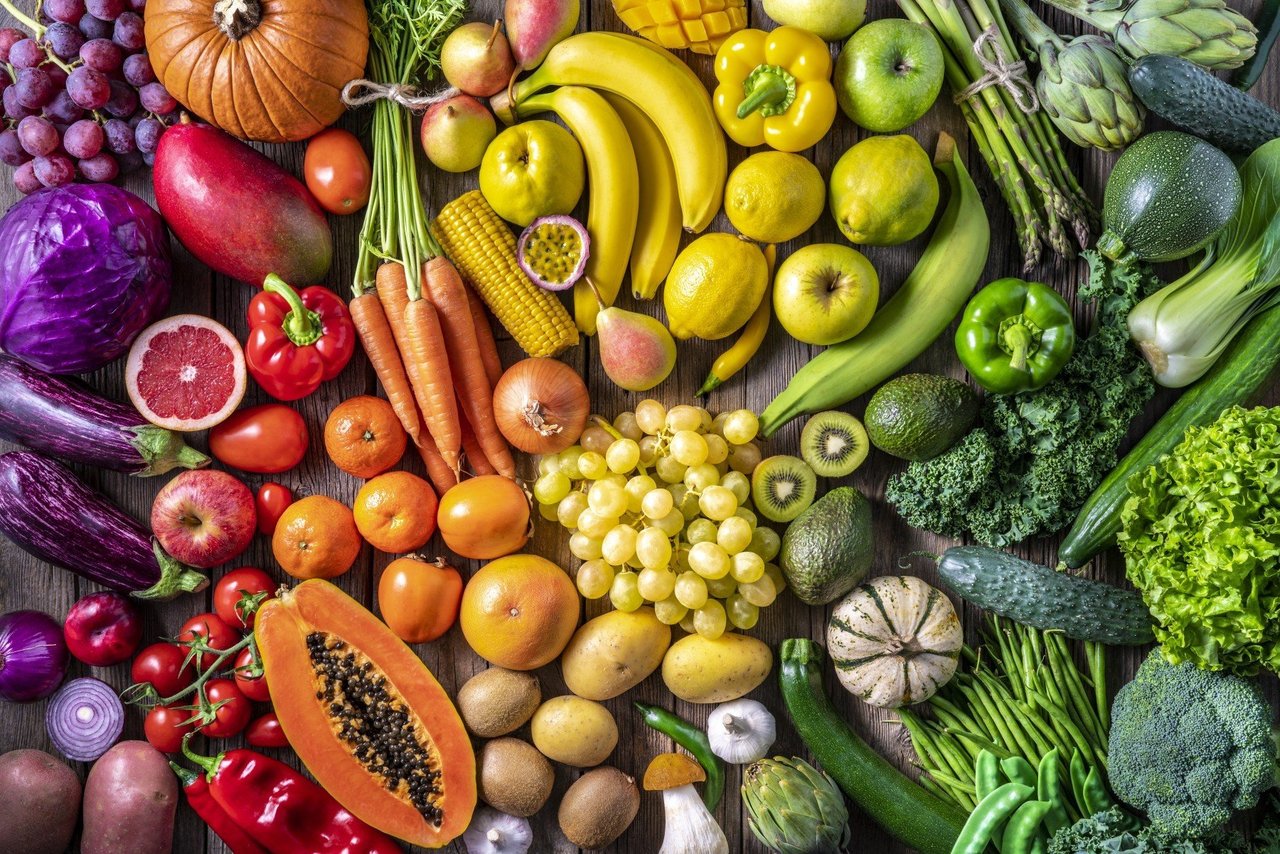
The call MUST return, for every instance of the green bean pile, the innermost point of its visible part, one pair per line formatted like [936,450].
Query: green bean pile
[1022,695]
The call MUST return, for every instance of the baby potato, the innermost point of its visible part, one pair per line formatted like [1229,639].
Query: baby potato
[574,731]
[700,670]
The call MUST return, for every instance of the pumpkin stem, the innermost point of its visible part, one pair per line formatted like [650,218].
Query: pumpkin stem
[237,18]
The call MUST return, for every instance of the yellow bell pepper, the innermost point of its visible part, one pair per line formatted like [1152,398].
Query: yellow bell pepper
[775,88]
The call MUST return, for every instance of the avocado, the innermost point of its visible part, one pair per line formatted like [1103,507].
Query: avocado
[826,552]
[918,416]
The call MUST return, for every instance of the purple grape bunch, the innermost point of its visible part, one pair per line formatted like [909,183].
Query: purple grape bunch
[80,98]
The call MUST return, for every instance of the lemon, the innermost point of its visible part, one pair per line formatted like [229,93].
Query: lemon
[774,196]
[714,286]
[884,191]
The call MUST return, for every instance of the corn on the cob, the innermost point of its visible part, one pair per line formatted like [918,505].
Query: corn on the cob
[483,249]
[699,25]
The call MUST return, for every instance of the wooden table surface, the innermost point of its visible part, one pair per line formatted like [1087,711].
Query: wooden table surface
[28,583]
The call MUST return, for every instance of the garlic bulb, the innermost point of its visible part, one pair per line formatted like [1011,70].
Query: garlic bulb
[741,731]
[493,832]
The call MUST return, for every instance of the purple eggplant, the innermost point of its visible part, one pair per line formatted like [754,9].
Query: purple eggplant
[64,418]
[51,514]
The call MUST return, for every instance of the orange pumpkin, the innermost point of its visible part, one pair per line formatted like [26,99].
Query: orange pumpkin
[266,70]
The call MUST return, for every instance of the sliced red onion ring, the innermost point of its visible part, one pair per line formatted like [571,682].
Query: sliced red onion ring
[84,719]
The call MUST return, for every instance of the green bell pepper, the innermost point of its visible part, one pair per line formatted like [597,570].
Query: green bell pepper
[1015,336]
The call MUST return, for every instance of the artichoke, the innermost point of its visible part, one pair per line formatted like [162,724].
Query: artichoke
[793,808]
[1206,32]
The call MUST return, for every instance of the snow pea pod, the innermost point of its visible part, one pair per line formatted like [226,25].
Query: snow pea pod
[1019,770]
[987,774]
[1049,790]
[1023,827]
[994,810]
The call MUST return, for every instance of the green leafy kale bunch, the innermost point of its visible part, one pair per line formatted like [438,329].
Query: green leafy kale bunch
[1201,540]
[1190,747]
[1037,456]
[1117,832]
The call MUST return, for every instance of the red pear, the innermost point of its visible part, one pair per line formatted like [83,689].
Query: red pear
[476,59]
[535,26]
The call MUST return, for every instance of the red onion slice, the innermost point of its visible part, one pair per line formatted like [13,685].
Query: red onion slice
[84,719]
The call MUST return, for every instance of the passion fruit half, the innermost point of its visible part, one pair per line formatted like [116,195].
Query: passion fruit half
[553,251]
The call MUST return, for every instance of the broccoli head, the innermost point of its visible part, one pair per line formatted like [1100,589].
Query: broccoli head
[1190,747]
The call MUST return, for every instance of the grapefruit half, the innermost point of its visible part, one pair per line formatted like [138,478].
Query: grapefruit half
[185,373]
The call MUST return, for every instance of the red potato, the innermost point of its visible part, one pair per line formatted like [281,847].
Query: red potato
[41,802]
[129,802]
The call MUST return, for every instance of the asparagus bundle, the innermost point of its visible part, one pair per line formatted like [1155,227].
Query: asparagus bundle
[1016,138]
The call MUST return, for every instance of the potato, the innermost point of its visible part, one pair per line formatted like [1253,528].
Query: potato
[41,803]
[129,802]
[613,653]
[574,731]
[715,671]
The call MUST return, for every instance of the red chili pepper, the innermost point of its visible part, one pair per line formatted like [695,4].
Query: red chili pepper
[265,731]
[297,340]
[201,800]
[283,810]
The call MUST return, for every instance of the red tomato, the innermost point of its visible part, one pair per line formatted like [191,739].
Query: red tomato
[268,439]
[252,686]
[217,634]
[272,501]
[265,731]
[165,727]
[233,709]
[246,585]
[161,664]
[103,629]
[337,171]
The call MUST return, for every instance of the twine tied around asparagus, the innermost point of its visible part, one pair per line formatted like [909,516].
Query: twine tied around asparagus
[1000,72]
[359,92]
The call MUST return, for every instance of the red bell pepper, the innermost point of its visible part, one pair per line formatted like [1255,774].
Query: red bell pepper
[297,340]
[201,799]
[283,811]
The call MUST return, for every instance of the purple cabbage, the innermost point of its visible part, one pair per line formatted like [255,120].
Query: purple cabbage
[84,269]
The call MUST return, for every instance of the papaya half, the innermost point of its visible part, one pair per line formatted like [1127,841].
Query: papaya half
[365,715]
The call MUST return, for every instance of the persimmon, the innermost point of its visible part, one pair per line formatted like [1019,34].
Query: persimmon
[484,517]
[316,537]
[419,600]
[396,512]
[364,437]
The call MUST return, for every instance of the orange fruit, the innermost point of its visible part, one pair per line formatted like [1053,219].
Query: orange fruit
[484,517]
[364,437]
[396,512]
[316,537]
[519,612]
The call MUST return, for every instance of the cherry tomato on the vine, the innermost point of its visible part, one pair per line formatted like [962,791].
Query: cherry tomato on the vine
[165,727]
[337,171]
[232,709]
[272,500]
[235,589]
[267,439]
[161,664]
[265,731]
[253,687]
[217,634]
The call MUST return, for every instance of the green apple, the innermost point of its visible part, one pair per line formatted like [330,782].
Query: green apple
[889,74]
[831,20]
[456,132]
[532,169]
[825,293]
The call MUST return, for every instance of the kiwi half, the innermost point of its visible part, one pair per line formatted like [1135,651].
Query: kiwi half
[783,487]
[834,443]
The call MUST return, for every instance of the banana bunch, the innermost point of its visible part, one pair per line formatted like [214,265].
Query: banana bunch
[646,104]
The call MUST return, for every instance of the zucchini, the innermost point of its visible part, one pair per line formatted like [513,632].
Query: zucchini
[1238,375]
[891,799]
[1038,596]
[1168,196]
[1186,95]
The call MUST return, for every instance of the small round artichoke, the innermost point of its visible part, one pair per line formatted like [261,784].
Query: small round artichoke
[1084,87]
[794,808]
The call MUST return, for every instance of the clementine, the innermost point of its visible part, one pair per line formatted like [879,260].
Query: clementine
[396,512]
[316,537]
[364,437]
[519,612]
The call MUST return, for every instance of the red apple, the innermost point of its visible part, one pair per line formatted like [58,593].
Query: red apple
[103,629]
[204,517]
[476,59]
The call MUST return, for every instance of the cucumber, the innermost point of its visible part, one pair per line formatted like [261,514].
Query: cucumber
[1168,196]
[1038,596]
[1186,95]
[890,798]
[1236,378]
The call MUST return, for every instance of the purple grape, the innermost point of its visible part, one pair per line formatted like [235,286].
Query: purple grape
[129,33]
[8,38]
[83,139]
[147,135]
[55,170]
[99,167]
[35,88]
[138,71]
[64,40]
[119,136]
[26,53]
[62,110]
[156,99]
[107,10]
[13,107]
[89,88]
[96,28]
[130,162]
[102,55]
[24,178]
[11,151]
[56,74]
[124,100]
[38,136]
[66,11]
[138,6]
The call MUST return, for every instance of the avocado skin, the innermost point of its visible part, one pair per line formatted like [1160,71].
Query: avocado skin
[918,416]
[827,550]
